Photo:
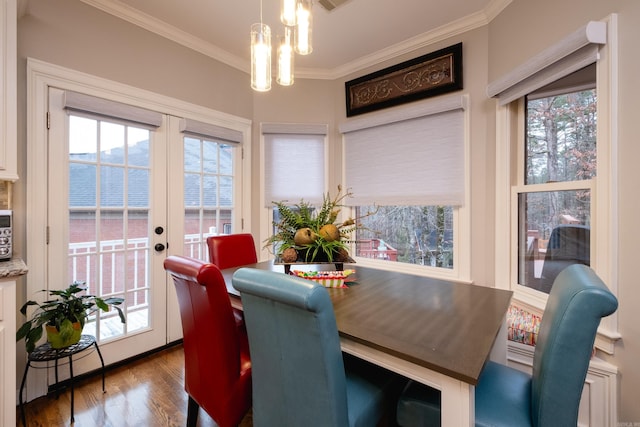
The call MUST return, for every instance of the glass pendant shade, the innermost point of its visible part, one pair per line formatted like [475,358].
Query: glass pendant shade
[285,58]
[260,57]
[288,12]
[303,31]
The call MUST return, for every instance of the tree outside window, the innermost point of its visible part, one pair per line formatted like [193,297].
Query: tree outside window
[421,235]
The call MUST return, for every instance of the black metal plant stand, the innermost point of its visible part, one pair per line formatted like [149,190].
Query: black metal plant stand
[45,353]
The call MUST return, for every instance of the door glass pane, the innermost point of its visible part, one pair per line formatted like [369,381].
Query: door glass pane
[112,186]
[83,141]
[112,142]
[210,190]
[138,146]
[226,191]
[192,155]
[210,154]
[226,159]
[208,193]
[191,189]
[109,193]
[138,188]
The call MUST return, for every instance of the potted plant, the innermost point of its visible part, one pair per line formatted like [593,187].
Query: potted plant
[64,316]
[307,234]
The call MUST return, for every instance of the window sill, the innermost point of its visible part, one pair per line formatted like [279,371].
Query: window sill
[535,303]
[419,270]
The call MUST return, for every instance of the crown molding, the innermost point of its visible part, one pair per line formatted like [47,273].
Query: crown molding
[161,28]
[423,40]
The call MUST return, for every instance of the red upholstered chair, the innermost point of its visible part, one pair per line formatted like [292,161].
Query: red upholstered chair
[216,351]
[232,250]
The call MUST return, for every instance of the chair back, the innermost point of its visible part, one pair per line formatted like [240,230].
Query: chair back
[232,250]
[568,244]
[577,302]
[217,364]
[298,370]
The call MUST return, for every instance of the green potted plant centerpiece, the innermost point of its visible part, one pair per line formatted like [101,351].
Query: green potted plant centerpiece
[305,233]
[64,316]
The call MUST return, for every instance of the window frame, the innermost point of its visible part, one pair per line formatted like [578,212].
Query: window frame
[510,139]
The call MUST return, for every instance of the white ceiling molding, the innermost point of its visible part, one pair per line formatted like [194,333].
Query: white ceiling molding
[427,39]
[161,28]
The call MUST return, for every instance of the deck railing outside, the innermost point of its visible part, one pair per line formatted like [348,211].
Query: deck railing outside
[115,256]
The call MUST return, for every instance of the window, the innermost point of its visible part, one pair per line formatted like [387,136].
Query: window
[294,166]
[210,153]
[407,171]
[554,204]
[549,151]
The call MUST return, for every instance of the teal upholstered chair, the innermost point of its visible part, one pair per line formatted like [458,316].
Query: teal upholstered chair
[551,396]
[299,375]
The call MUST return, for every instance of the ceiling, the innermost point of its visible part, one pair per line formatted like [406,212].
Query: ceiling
[354,35]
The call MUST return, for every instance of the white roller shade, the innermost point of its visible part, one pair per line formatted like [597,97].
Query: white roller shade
[90,104]
[418,161]
[208,130]
[294,164]
[576,51]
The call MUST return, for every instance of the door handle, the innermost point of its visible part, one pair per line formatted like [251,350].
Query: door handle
[159,247]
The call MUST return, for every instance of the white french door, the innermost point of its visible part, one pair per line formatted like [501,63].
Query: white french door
[118,179]
[107,220]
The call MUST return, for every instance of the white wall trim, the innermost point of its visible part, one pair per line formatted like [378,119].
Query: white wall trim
[8,91]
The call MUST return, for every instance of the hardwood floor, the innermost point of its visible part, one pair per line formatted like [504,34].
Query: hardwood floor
[147,392]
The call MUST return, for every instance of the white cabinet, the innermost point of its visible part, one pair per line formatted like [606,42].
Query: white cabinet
[8,96]
[8,352]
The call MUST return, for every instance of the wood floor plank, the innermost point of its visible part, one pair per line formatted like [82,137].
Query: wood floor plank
[147,392]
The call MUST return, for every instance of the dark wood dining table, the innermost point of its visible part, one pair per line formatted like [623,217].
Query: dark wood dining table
[437,332]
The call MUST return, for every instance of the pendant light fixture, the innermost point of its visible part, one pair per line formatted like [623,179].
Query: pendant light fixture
[303,31]
[296,16]
[288,12]
[285,58]
[260,56]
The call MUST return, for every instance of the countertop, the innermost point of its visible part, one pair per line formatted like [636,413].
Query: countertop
[13,268]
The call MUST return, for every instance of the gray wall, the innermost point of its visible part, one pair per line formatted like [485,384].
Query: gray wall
[71,34]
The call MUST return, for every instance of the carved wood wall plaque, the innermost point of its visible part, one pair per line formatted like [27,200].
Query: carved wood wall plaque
[428,75]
